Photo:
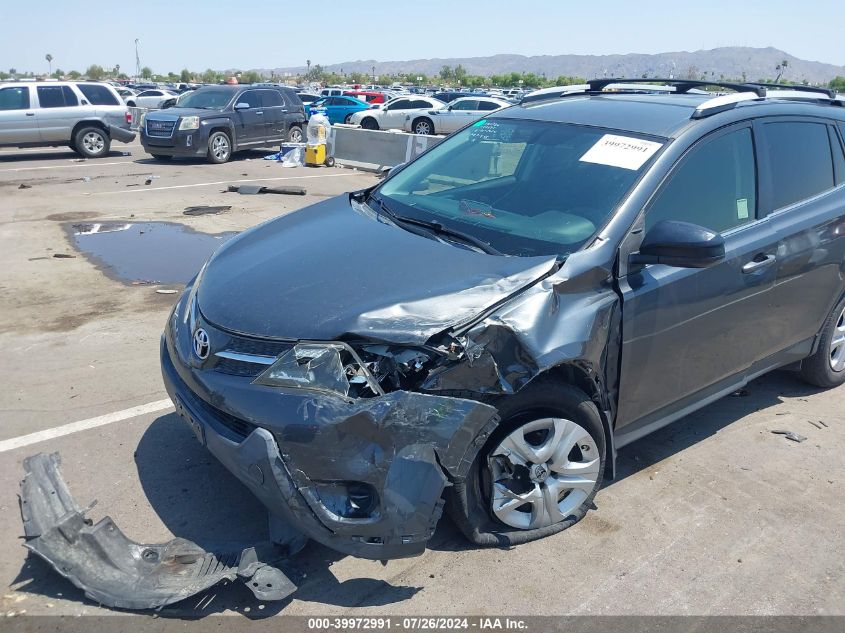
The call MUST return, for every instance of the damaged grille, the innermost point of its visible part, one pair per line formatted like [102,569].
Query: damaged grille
[238,426]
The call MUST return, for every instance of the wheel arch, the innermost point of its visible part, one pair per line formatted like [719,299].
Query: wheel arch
[89,123]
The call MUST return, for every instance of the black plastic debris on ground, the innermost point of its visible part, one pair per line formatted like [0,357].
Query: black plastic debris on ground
[206,209]
[116,571]
[256,189]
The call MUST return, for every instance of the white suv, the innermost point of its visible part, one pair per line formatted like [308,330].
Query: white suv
[85,116]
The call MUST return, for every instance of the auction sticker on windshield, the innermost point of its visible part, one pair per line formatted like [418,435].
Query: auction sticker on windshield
[620,151]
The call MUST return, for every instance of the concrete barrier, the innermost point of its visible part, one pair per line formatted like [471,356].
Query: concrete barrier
[375,150]
[136,116]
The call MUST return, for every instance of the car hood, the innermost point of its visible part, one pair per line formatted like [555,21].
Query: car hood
[330,270]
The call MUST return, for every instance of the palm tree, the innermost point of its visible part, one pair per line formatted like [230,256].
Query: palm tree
[781,68]
[308,73]
[49,59]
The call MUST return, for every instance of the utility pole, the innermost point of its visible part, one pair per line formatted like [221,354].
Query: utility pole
[137,61]
[374,75]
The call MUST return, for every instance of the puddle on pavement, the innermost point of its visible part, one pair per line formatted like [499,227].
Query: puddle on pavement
[158,252]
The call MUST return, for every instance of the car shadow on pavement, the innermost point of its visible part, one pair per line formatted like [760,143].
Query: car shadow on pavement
[237,157]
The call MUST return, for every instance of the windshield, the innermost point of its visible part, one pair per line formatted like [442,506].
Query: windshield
[207,99]
[525,187]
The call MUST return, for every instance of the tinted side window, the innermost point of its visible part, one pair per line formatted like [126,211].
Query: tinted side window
[714,186]
[420,104]
[799,159]
[51,97]
[14,98]
[838,156]
[469,104]
[402,104]
[98,95]
[488,105]
[251,98]
[70,96]
[271,98]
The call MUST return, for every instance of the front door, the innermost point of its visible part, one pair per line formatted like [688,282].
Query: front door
[17,117]
[252,124]
[688,334]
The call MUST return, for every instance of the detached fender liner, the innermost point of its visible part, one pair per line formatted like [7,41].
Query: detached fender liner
[120,134]
[116,571]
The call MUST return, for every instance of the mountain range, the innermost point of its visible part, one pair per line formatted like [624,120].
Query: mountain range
[727,62]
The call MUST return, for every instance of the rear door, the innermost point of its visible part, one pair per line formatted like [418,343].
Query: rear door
[803,161]
[460,112]
[58,111]
[689,334]
[274,114]
[17,116]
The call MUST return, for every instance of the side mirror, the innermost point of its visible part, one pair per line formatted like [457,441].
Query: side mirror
[680,244]
[241,106]
[387,172]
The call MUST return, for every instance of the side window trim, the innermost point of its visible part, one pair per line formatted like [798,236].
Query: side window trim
[711,136]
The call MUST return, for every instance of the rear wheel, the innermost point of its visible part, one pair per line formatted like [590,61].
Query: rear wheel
[92,142]
[423,125]
[347,118]
[219,147]
[295,134]
[539,471]
[826,368]
[369,123]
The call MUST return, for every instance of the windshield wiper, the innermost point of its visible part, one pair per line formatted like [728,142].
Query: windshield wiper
[438,229]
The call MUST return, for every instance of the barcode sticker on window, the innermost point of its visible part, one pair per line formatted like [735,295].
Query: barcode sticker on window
[742,209]
[620,151]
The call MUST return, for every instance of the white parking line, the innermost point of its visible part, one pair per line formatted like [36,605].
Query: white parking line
[223,182]
[84,164]
[84,425]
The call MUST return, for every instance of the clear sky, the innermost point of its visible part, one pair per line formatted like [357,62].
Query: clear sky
[222,34]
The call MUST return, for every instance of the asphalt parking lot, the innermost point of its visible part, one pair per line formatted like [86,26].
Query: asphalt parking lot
[713,515]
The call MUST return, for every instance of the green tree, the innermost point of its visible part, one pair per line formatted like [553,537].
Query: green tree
[74,74]
[250,77]
[210,76]
[185,75]
[146,72]
[780,69]
[95,72]
[58,73]
[446,73]
[837,83]
[4,75]
[460,73]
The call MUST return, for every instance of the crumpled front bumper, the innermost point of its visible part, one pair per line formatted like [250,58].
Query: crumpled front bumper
[285,445]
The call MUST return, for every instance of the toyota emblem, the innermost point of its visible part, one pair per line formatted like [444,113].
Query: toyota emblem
[201,346]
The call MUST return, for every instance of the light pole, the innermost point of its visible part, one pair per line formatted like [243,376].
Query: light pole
[374,75]
[137,61]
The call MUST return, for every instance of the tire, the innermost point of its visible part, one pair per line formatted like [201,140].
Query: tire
[329,161]
[347,118]
[369,123]
[162,157]
[826,368]
[92,142]
[555,410]
[423,125]
[130,104]
[219,148]
[295,134]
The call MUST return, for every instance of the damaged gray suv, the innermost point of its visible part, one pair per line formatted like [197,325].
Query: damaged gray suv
[484,329]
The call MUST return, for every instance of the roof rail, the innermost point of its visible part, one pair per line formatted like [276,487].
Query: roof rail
[828,92]
[681,85]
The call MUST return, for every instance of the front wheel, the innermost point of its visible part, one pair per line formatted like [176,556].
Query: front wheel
[369,123]
[219,148]
[539,471]
[347,118]
[92,142]
[826,368]
[423,126]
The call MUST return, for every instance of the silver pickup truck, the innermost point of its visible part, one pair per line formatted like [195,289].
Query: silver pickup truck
[85,116]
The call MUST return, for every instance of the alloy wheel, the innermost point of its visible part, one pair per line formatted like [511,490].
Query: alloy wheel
[220,147]
[542,472]
[837,345]
[93,142]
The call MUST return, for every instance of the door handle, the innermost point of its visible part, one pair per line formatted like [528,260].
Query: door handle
[260,112]
[758,264]
[30,114]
